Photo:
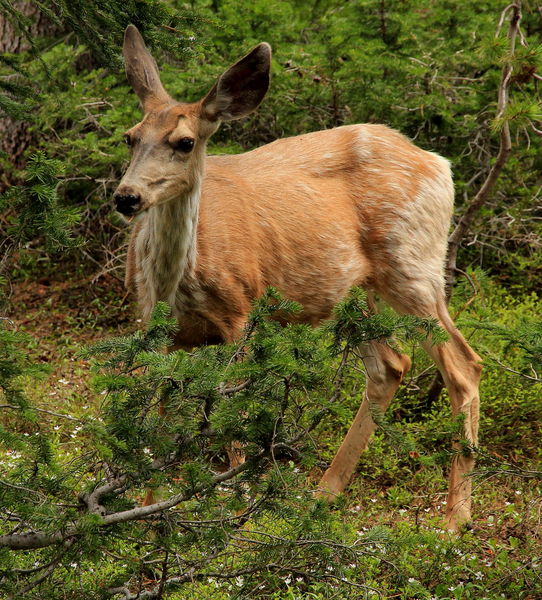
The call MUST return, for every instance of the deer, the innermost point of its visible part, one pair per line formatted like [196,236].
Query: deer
[311,215]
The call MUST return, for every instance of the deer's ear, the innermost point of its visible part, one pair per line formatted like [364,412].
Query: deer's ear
[142,71]
[241,88]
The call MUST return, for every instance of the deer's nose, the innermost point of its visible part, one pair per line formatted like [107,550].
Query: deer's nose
[127,204]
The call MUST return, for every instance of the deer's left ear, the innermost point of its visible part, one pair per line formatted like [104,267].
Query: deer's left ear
[241,88]
[142,71]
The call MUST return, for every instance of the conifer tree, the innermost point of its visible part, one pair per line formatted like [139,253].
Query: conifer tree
[269,391]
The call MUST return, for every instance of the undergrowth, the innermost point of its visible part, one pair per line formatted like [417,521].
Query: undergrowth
[262,534]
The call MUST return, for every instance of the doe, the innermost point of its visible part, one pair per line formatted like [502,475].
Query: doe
[311,215]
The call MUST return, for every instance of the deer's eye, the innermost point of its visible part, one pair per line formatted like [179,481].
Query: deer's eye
[184,144]
[127,140]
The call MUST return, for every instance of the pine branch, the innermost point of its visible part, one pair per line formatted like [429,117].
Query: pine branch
[48,570]
[40,539]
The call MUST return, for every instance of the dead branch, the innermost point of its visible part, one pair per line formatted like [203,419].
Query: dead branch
[474,206]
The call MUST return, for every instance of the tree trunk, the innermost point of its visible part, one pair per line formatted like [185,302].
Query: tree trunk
[15,136]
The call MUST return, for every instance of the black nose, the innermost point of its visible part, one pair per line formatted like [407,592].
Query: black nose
[127,204]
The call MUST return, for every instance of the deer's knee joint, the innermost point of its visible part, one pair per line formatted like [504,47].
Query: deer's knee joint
[477,368]
[395,373]
[398,369]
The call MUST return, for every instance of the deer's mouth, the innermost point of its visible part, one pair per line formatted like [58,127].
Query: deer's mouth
[134,215]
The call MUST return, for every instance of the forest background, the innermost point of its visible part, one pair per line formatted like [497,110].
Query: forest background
[80,377]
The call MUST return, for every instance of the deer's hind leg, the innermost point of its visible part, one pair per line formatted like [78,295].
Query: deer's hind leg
[460,367]
[385,370]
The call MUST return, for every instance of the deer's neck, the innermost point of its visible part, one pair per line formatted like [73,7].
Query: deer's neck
[167,250]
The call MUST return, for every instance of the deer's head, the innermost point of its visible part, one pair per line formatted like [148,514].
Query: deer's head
[168,145]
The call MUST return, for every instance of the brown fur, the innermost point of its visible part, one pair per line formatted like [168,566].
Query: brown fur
[311,215]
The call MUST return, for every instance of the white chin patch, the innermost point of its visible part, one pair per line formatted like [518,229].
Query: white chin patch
[137,217]
[129,220]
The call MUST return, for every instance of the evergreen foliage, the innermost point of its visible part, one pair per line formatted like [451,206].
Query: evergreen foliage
[432,72]
[71,520]
[99,28]
[525,340]
[37,210]
[268,391]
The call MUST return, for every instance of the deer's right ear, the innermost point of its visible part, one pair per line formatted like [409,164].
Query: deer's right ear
[241,88]
[142,71]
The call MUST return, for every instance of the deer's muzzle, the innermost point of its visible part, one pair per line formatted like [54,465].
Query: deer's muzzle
[127,204]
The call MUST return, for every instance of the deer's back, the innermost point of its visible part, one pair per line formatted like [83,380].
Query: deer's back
[314,215]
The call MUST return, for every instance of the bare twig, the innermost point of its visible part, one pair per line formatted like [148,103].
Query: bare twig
[224,391]
[153,593]
[43,410]
[49,568]
[474,206]
[19,487]
[536,378]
